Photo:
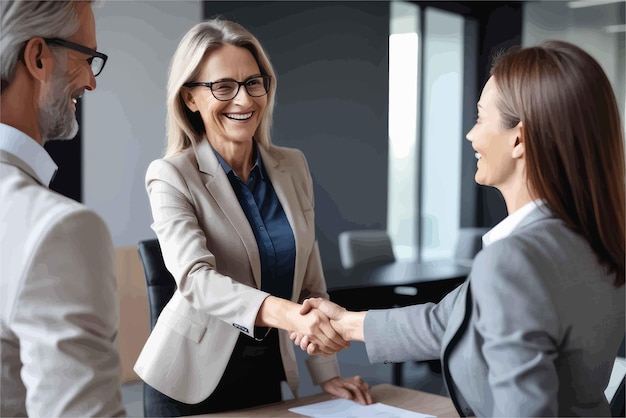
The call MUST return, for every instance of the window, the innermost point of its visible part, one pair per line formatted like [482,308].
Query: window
[425,131]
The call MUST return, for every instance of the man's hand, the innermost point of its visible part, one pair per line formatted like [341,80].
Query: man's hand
[353,388]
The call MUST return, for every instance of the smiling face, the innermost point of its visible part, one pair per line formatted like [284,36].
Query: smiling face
[71,76]
[232,122]
[499,150]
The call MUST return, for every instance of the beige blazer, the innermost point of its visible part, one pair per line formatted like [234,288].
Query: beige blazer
[59,308]
[210,249]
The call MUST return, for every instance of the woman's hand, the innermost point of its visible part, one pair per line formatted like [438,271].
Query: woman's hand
[353,388]
[314,324]
[347,324]
[315,329]
[327,308]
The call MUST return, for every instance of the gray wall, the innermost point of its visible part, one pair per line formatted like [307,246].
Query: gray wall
[585,28]
[124,118]
[331,64]
[331,61]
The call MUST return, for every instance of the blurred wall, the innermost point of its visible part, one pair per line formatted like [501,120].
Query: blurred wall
[331,64]
[123,126]
[584,27]
[331,61]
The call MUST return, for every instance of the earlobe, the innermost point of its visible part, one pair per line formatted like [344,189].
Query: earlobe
[189,100]
[518,148]
[34,58]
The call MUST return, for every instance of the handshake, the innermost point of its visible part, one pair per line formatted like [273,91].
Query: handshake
[330,327]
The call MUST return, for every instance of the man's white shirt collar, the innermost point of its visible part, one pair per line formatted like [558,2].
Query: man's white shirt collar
[16,142]
[508,224]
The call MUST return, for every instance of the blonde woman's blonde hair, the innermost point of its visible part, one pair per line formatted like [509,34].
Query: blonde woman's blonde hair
[185,127]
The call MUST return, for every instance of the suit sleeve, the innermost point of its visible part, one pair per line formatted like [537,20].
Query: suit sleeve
[66,319]
[185,252]
[415,332]
[516,318]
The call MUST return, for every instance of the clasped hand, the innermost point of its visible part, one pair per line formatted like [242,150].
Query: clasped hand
[332,340]
[330,314]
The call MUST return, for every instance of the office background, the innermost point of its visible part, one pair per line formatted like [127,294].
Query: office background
[333,62]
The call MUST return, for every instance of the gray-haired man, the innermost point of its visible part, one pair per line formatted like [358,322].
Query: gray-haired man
[58,291]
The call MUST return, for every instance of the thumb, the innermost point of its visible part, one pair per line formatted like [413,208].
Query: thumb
[309,304]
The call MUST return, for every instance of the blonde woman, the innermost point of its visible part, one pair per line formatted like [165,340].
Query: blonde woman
[234,217]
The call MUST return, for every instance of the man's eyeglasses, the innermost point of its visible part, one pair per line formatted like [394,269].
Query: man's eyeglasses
[97,60]
[226,90]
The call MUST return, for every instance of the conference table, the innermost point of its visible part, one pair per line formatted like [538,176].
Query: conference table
[409,399]
[397,283]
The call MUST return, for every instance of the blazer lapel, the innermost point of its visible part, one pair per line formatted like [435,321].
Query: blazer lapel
[288,196]
[458,323]
[221,190]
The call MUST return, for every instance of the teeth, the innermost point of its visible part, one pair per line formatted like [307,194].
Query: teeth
[239,116]
[477,155]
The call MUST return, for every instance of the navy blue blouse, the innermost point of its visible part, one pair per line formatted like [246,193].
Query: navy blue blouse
[274,236]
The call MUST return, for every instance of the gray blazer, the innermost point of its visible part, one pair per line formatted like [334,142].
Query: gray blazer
[532,332]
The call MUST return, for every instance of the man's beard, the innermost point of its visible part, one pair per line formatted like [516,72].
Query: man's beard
[56,117]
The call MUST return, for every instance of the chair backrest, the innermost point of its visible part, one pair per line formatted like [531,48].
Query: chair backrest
[159,281]
[469,243]
[365,247]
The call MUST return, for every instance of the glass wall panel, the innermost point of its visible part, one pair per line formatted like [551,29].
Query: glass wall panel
[442,133]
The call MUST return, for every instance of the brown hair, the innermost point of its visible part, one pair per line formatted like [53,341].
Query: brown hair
[574,144]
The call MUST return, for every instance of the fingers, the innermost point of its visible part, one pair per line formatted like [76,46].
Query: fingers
[312,350]
[310,304]
[333,341]
[295,337]
[306,307]
[362,391]
[323,334]
[316,334]
[354,388]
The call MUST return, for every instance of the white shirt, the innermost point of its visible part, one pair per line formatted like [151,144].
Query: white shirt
[28,150]
[508,224]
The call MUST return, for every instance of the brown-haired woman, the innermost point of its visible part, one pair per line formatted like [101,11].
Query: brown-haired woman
[536,327]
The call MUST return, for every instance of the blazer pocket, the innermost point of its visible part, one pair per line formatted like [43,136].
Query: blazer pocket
[183,325]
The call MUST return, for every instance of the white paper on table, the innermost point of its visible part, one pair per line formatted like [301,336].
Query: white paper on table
[343,408]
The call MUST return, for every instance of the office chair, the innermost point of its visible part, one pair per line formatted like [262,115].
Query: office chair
[161,287]
[159,281]
[371,247]
[366,249]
